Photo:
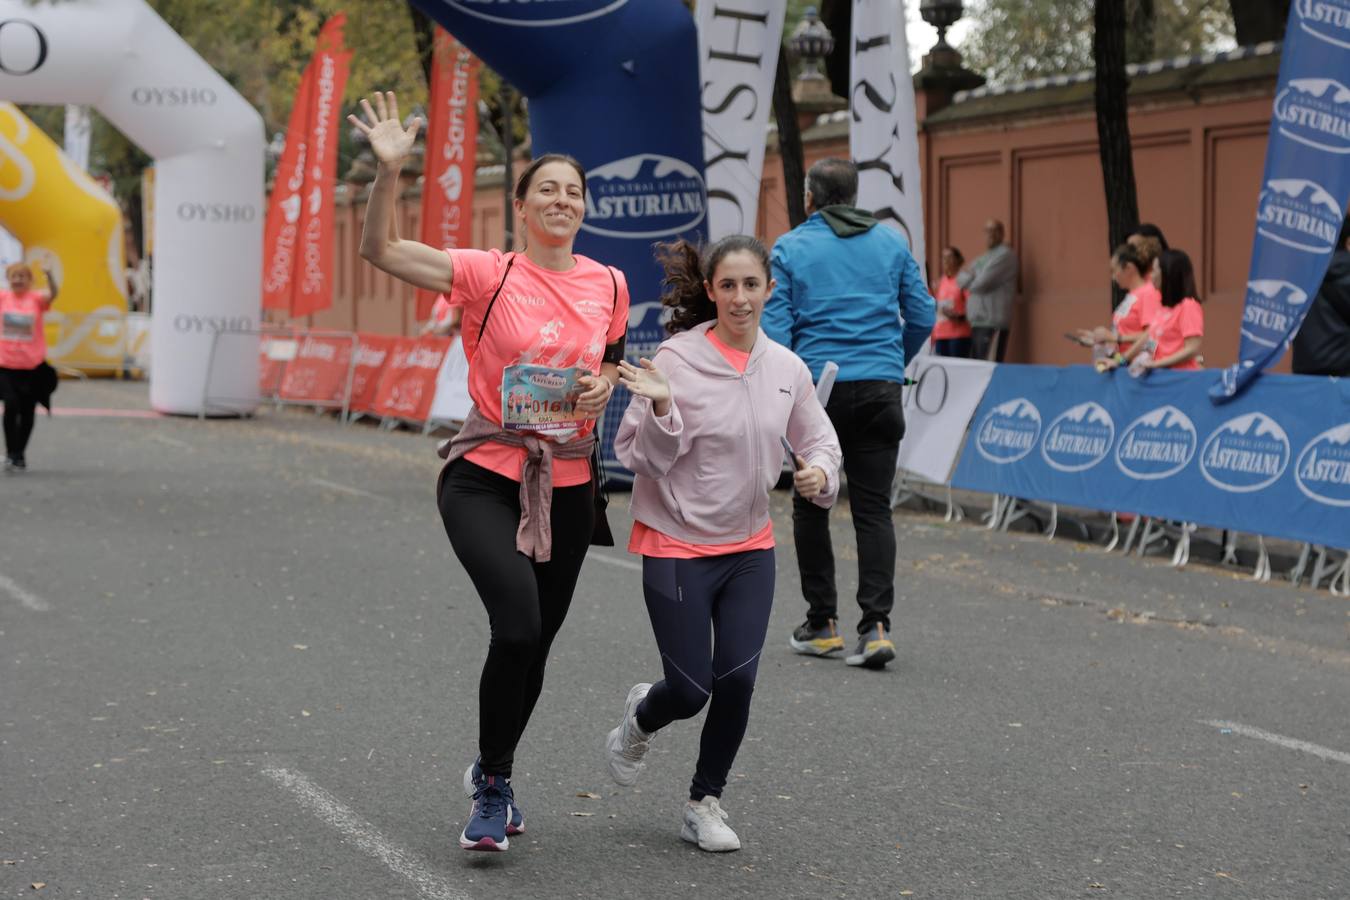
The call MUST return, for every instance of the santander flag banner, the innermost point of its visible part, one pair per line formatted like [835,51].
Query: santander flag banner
[314,262]
[298,239]
[738,44]
[452,136]
[883,136]
[280,236]
[1304,188]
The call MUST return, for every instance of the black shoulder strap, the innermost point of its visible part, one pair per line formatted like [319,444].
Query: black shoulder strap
[509,263]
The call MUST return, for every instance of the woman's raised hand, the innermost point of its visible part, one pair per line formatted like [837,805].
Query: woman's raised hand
[389,140]
[646,381]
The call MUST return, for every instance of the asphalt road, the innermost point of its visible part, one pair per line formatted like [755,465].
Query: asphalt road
[238,659]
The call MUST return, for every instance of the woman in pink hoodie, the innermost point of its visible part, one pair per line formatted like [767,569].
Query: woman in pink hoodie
[704,434]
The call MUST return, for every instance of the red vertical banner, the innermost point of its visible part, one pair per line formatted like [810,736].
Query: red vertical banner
[281,235]
[314,259]
[298,239]
[449,163]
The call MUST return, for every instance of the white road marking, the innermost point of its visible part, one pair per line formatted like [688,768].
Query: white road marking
[172,442]
[333,485]
[364,835]
[27,598]
[614,561]
[1280,740]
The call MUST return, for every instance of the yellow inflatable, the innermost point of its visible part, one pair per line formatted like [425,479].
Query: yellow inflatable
[67,224]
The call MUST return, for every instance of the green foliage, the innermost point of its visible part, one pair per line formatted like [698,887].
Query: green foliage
[1016,40]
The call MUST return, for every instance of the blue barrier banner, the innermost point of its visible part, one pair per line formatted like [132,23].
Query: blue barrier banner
[615,84]
[1304,189]
[1275,461]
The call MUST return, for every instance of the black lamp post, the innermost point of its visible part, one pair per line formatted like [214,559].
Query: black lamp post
[941,14]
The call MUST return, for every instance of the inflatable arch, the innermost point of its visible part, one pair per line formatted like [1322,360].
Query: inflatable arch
[614,83]
[207,141]
[67,224]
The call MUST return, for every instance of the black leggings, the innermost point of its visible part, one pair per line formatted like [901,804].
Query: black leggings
[526,601]
[20,410]
[734,594]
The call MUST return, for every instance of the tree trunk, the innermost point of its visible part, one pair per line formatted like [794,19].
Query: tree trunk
[424,33]
[1113,124]
[789,141]
[1257,21]
[837,16]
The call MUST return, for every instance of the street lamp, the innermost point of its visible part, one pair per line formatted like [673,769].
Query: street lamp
[811,42]
[941,14]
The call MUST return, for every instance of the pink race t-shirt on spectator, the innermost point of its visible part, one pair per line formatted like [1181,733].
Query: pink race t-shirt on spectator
[948,291]
[543,318]
[1138,310]
[1171,328]
[650,542]
[23,340]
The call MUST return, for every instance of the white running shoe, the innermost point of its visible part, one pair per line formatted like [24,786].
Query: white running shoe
[626,745]
[704,825]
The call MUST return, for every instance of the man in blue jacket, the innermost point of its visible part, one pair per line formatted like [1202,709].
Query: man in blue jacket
[848,290]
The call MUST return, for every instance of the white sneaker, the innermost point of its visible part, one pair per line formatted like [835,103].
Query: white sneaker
[626,745]
[704,825]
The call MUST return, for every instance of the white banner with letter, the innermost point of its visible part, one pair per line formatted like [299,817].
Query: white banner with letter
[938,409]
[883,136]
[738,44]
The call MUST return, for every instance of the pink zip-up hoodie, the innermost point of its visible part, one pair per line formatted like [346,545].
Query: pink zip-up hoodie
[705,469]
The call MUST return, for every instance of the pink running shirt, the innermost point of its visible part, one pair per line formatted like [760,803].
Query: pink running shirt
[541,317]
[23,340]
[1171,328]
[1138,310]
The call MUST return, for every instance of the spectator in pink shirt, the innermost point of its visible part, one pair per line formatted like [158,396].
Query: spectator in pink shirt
[951,334]
[1174,337]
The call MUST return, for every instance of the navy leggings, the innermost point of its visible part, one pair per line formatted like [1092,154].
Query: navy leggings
[733,594]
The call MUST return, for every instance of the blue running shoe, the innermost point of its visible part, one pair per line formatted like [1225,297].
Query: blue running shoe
[473,776]
[488,817]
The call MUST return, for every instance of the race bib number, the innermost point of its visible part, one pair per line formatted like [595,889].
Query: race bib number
[541,399]
[17,327]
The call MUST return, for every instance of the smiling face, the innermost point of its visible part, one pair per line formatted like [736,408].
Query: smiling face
[739,287]
[20,279]
[554,204]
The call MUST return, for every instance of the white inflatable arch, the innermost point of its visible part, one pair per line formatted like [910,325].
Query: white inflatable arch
[208,145]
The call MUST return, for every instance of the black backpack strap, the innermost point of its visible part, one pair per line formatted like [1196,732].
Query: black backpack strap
[478,341]
[614,351]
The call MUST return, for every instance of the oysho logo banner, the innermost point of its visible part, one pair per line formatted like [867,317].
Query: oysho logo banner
[23,47]
[644,197]
[217,213]
[1315,112]
[1157,444]
[1326,20]
[1245,454]
[536,13]
[1009,431]
[1079,438]
[173,96]
[1323,468]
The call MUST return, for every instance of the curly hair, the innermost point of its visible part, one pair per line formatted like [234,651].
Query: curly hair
[686,271]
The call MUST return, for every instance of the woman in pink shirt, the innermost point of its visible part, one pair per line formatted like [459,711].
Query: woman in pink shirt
[951,334]
[1173,338]
[543,331]
[23,354]
[704,437]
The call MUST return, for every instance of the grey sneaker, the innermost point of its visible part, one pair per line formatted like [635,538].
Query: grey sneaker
[626,745]
[817,641]
[873,651]
[705,825]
